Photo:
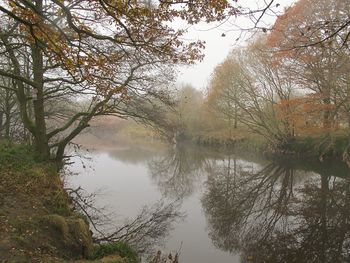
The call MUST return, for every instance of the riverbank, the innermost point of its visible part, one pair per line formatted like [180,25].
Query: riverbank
[330,147]
[37,220]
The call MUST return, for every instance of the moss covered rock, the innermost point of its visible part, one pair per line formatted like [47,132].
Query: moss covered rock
[72,234]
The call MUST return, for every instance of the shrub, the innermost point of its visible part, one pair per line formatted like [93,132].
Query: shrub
[120,248]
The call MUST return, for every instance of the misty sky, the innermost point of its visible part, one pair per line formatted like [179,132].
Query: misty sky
[218,47]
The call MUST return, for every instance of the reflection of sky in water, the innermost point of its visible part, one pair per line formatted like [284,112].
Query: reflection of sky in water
[132,178]
[128,187]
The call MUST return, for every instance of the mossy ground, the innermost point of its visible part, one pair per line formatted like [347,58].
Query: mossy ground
[37,222]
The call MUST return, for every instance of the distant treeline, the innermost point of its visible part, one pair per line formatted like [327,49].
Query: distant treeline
[289,87]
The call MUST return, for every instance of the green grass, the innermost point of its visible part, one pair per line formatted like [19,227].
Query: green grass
[119,248]
[18,157]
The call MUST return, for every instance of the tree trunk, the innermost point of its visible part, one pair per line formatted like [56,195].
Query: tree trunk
[236,117]
[348,126]
[7,125]
[1,123]
[235,108]
[62,145]
[8,109]
[41,140]
[327,111]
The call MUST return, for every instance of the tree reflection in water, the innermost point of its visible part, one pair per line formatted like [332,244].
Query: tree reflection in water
[177,173]
[266,211]
[273,215]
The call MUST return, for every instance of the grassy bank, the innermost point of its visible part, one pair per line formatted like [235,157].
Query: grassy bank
[322,147]
[240,138]
[37,220]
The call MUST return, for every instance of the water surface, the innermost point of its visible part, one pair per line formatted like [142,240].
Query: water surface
[238,207]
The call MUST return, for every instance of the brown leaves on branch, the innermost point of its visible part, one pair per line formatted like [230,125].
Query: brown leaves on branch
[308,23]
[110,51]
[69,32]
[305,114]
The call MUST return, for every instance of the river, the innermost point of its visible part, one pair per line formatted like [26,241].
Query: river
[235,206]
